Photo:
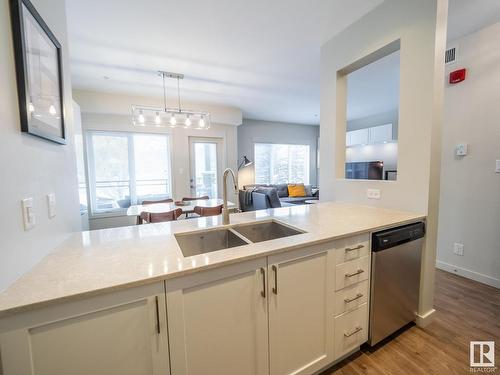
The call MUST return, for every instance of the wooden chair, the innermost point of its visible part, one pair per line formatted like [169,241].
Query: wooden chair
[158,217]
[161,201]
[187,199]
[208,211]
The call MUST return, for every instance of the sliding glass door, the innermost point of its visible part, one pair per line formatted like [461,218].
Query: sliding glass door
[206,156]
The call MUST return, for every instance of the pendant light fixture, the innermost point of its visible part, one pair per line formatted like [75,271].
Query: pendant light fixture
[172,117]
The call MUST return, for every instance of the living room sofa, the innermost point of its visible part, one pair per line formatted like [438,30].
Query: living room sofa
[261,196]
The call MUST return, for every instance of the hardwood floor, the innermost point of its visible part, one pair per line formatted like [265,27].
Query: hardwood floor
[466,311]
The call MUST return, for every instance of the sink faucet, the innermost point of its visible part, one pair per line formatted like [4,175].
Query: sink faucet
[225,211]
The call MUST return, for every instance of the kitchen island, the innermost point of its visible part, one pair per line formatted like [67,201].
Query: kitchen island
[102,301]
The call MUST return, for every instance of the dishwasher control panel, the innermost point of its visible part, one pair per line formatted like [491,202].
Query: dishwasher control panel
[396,236]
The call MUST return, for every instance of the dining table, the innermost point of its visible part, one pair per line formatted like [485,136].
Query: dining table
[187,208]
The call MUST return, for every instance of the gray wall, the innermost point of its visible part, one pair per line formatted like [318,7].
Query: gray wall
[256,131]
[30,166]
[469,211]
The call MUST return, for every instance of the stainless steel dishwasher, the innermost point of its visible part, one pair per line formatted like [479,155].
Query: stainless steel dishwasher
[395,279]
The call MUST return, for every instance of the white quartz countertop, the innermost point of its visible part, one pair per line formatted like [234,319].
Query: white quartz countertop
[99,261]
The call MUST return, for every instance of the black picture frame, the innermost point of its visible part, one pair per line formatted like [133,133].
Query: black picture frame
[46,118]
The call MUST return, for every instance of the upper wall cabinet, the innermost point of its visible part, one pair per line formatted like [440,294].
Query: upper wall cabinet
[376,134]
[357,137]
[382,133]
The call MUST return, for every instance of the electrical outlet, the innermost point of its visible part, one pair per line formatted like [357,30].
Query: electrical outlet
[373,193]
[458,249]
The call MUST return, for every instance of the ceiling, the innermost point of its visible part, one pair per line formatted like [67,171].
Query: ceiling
[260,56]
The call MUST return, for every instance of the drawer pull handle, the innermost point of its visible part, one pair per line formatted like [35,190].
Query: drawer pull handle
[359,247]
[358,296]
[359,271]
[358,329]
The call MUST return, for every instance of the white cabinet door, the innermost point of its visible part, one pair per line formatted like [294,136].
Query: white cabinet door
[358,137]
[218,321]
[300,310]
[118,333]
[382,133]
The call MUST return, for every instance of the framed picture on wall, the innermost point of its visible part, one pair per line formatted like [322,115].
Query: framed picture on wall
[39,73]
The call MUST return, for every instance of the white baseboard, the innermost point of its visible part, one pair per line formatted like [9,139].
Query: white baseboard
[423,320]
[476,276]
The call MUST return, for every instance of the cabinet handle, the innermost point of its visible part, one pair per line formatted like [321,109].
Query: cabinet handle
[358,296]
[359,247]
[263,273]
[157,316]
[353,332]
[275,287]
[359,271]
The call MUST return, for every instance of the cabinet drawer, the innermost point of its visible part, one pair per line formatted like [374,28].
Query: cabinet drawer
[351,272]
[351,298]
[351,330]
[351,248]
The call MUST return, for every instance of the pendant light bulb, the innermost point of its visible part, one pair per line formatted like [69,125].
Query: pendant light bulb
[52,109]
[201,123]
[188,121]
[140,117]
[173,120]
[157,119]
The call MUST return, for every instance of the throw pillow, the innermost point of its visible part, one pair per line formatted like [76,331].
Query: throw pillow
[296,190]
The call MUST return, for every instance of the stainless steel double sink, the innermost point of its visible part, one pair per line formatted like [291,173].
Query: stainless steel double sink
[205,241]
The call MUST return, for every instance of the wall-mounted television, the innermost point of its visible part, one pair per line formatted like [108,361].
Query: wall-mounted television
[370,170]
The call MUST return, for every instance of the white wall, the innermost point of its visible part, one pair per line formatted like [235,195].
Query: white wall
[101,111]
[30,166]
[421,28]
[257,131]
[469,210]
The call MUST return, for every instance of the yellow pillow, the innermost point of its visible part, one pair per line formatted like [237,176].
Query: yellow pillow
[296,190]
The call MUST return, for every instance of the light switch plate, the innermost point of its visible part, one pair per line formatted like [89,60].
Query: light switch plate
[29,218]
[497,166]
[51,203]
[373,193]
[462,149]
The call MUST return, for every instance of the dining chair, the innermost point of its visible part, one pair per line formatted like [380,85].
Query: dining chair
[187,199]
[208,211]
[158,217]
[161,201]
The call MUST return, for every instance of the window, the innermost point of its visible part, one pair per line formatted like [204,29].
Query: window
[80,170]
[126,168]
[281,164]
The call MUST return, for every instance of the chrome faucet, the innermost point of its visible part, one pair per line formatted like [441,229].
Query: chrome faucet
[225,211]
